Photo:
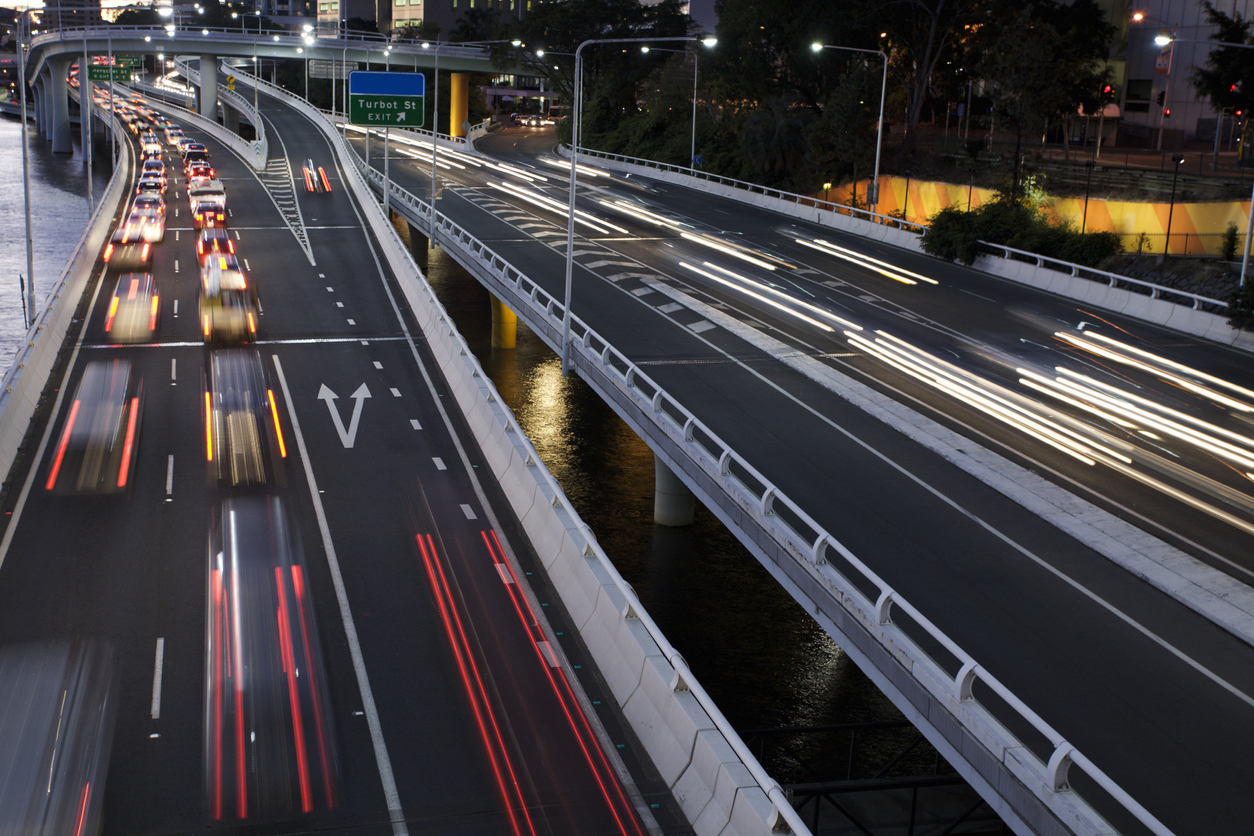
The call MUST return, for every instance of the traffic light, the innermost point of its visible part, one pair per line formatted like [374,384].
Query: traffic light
[1108,93]
[1235,88]
[1162,96]
[1166,113]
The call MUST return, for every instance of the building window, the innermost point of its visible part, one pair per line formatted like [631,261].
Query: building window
[400,2]
[1137,98]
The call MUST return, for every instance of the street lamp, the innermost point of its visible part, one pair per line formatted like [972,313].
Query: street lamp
[29,309]
[574,159]
[435,110]
[1088,164]
[1177,159]
[873,195]
[692,148]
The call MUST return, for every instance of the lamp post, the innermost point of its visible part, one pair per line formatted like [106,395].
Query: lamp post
[574,159]
[1177,159]
[29,310]
[1165,41]
[1088,179]
[435,111]
[873,197]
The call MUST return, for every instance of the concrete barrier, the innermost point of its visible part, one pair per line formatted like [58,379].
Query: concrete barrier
[32,366]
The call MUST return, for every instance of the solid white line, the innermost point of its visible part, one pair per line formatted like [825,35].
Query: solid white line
[169,475]
[390,793]
[156,677]
[176,308]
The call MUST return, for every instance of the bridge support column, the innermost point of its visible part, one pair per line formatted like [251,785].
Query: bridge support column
[209,87]
[39,89]
[459,103]
[504,325]
[417,242]
[62,133]
[230,118]
[673,503]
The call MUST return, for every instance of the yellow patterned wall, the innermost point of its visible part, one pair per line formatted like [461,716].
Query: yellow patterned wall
[1196,228]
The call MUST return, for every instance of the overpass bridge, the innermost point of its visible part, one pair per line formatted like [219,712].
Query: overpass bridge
[1071,631]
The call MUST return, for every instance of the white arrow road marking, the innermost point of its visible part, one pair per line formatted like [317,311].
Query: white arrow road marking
[346,438]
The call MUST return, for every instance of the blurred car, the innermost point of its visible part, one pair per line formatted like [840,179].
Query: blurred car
[99,443]
[185,149]
[135,309]
[150,222]
[127,250]
[213,241]
[150,183]
[149,201]
[209,213]
[183,142]
[315,178]
[243,436]
[194,156]
[201,189]
[58,704]
[148,137]
[148,152]
[153,167]
[532,121]
[173,135]
[269,738]
[228,301]
[199,171]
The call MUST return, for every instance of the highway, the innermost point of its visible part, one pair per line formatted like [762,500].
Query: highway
[1147,687]
[406,672]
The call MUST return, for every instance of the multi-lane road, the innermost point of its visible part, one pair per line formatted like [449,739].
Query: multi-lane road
[1085,443]
[357,641]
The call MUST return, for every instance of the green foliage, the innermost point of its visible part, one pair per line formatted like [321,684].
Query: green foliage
[1241,307]
[954,234]
[1228,249]
[1228,65]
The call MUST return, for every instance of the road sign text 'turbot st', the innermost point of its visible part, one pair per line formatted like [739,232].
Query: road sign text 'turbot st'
[381,100]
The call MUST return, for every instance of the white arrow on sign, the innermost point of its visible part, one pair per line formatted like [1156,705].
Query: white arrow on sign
[325,394]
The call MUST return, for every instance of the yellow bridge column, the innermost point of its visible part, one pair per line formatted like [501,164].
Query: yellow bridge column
[459,103]
[504,325]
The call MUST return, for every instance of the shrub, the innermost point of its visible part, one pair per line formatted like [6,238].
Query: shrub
[1241,307]
[951,235]
[1228,249]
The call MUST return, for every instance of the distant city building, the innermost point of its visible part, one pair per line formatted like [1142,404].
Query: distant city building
[1143,71]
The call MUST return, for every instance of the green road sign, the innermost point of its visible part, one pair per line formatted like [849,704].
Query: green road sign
[97,73]
[128,60]
[382,100]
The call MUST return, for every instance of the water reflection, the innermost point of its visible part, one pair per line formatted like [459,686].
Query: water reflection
[762,658]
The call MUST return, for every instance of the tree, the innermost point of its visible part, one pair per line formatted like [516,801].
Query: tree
[480,23]
[1227,78]
[418,30]
[1043,65]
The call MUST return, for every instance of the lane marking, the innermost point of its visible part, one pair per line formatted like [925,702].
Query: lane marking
[395,393]
[176,265]
[547,650]
[156,677]
[439,463]
[503,571]
[415,424]
[339,304]
[169,475]
[390,793]
[352,322]
[330,289]
[176,309]
[469,512]
[247,266]
[377,364]
[174,370]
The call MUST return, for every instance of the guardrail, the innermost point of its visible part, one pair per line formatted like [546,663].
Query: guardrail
[25,380]
[765,191]
[255,153]
[668,709]
[872,601]
[1114,280]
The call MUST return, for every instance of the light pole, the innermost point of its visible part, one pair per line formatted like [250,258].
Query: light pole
[29,309]
[1088,164]
[435,111]
[873,196]
[1166,41]
[1177,159]
[574,159]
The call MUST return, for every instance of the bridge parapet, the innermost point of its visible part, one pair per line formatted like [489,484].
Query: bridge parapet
[25,380]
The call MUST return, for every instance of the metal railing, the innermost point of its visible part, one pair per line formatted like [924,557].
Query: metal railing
[754,188]
[1115,280]
[794,527]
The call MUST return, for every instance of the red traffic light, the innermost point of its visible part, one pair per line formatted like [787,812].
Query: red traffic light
[1107,90]
[1166,113]
[1234,88]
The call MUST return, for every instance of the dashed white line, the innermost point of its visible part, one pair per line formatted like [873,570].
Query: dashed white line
[439,463]
[503,571]
[176,309]
[415,424]
[353,322]
[174,370]
[396,393]
[247,266]
[330,289]
[156,679]
[377,364]
[169,475]
[176,265]
[339,304]
[469,512]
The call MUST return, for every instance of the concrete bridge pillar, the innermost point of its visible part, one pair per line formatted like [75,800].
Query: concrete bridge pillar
[62,134]
[504,325]
[230,118]
[417,240]
[209,87]
[459,103]
[673,503]
[41,100]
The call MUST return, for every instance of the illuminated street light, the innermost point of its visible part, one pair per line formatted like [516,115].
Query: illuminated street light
[873,197]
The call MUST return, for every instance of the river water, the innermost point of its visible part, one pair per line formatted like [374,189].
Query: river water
[765,662]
